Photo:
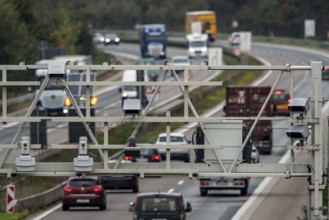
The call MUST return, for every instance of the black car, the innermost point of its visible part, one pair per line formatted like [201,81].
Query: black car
[159,205]
[120,182]
[142,155]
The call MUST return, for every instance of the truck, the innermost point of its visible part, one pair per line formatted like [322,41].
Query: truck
[53,97]
[153,40]
[246,101]
[207,183]
[207,20]
[197,45]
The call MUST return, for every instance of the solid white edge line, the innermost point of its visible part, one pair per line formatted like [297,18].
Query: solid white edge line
[44,214]
[180,182]
[260,190]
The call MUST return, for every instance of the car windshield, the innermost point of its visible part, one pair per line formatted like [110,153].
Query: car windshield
[130,88]
[111,35]
[180,61]
[83,182]
[198,44]
[280,97]
[172,139]
[146,151]
[158,204]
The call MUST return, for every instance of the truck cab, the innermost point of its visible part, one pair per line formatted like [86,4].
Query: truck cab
[197,45]
[153,40]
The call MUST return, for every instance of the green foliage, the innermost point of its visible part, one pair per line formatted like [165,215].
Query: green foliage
[14,216]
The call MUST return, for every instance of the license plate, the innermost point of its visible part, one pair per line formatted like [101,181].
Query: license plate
[141,160]
[82,200]
[282,107]
[54,113]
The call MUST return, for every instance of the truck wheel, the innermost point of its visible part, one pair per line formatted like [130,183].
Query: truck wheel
[203,192]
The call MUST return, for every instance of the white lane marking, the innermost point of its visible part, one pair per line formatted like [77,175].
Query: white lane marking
[180,182]
[44,214]
[171,190]
[260,190]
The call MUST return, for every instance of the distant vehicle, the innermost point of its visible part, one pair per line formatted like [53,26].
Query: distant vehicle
[234,39]
[159,205]
[145,155]
[111,38]
[216,183]
[246,101]
[255,154]
[153,40]
[280,100]
[136,92]
[197,45]
[176,154]
[84,191]
[52,97]
[207,20]
[120,182]
[98,38]
[181,61]
[153,75]
[325,73]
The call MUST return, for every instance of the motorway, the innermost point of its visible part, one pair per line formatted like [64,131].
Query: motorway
[218,204]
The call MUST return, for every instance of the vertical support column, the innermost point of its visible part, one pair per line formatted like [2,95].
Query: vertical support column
[88,91]
[316,184]
[185,93]
[106,143]
[4,93]
[168,142]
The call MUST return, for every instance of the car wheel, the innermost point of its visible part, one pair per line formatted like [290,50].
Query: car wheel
[65,207]
[244,191]
[187,159]
[203,192]
[103,206]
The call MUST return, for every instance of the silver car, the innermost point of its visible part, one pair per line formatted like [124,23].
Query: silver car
[175,154]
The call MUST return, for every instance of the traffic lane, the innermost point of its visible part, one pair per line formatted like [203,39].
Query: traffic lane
[118,201]
[218,204]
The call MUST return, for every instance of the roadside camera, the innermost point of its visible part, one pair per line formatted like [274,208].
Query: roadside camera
[298,132]
[299,106]
[25,162]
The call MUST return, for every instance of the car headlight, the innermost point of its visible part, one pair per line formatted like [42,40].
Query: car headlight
[204,49]
[67,102]
[93,100]
[117,39]
[191,50]
[124,94]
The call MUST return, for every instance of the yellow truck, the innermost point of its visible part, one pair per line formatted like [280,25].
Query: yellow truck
[207,19]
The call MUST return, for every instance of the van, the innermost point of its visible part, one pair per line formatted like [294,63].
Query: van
[144,93]
[159,205]
[197,45]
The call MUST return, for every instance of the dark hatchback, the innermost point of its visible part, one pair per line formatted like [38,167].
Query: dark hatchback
[84,191]
[120,182]
[142,155]
[159,205]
